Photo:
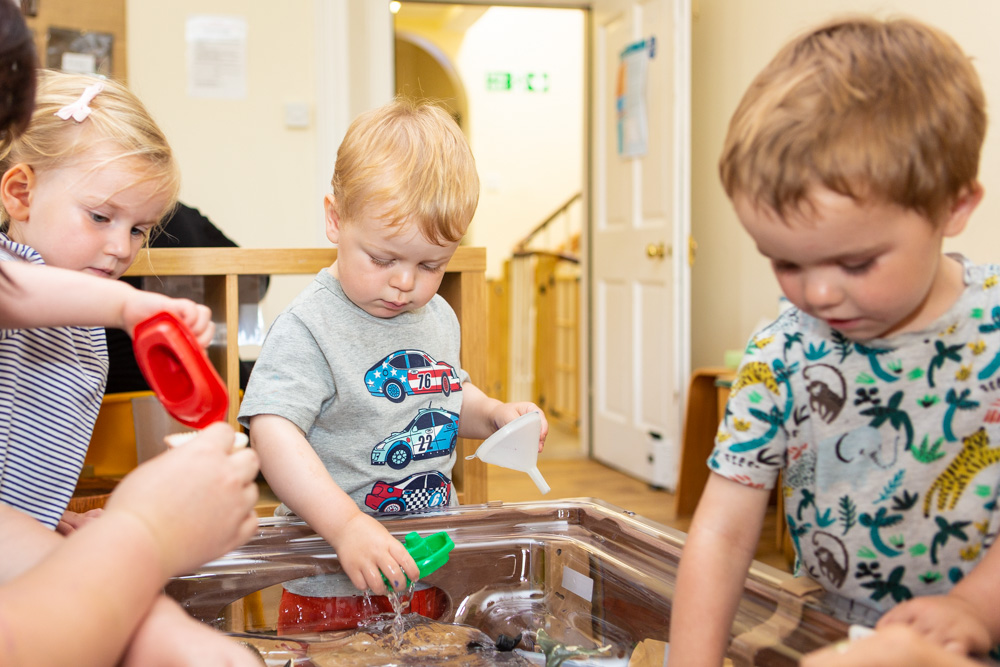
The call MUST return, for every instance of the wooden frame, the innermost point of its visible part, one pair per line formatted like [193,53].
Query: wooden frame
[464,287]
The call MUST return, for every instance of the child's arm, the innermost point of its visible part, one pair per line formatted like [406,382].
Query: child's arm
[298,477]
[482,416]
[166,517]
[717,554]
[965,620]
[46,296]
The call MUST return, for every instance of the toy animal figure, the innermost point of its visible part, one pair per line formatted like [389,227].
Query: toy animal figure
[976,454]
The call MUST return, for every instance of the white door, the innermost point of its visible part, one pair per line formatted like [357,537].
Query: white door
[639,277]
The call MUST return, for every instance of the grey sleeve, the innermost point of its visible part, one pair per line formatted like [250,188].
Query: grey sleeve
[291,378]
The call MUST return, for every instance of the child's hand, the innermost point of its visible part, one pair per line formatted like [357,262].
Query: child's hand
[947,620]
[366,551]
[71,521]
[197,501]
[142,305]
[507,412]
[169,637]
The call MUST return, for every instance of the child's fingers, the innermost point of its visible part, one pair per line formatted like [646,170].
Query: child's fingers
[395,574]
[401,557]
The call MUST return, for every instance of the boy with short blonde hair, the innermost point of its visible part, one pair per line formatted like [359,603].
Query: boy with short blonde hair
[357,398]
[850,159]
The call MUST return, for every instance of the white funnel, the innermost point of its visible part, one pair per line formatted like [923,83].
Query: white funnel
[515,446]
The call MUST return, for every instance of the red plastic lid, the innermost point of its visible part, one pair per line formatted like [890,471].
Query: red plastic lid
[179,372]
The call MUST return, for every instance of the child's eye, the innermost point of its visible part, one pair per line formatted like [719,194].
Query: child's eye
[858,268]
[431,268]
[97,217]
[380,262]
[783,267]
[140,232]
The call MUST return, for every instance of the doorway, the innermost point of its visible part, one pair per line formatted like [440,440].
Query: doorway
[521,103]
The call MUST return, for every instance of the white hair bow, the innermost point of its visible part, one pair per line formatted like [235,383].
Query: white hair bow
[80,109]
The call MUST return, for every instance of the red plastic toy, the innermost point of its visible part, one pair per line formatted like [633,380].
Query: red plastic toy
[179,372]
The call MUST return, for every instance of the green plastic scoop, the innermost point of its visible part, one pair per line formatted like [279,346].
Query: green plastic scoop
[430,552]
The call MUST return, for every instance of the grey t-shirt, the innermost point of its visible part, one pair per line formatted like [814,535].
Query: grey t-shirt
[378,399]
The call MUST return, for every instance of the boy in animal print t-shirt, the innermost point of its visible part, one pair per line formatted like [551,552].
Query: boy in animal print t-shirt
[850,159]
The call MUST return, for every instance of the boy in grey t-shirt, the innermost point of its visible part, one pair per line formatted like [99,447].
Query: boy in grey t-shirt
[357,398]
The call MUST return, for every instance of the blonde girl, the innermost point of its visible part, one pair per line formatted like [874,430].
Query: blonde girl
[82,187]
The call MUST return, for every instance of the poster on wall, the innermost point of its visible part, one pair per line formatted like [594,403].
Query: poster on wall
[216,57]
[78,51]
[630,98]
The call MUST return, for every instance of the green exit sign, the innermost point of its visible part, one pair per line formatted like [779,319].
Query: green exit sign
[532,82]
[498,81]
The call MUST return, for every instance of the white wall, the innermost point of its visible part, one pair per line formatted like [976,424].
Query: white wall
[528,145]
[732,40]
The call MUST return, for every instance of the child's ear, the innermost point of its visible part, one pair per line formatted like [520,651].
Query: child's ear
[15,191]
[332,218]
[962,208]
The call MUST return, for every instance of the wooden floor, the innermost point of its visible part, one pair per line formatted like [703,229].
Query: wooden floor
[572,474]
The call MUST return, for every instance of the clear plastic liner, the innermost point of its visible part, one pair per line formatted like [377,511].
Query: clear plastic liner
[589,574]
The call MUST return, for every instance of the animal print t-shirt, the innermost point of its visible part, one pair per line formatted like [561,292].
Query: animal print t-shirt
[889,450]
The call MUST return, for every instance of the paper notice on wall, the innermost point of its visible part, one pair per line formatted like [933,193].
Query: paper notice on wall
[630,98]
[217,57]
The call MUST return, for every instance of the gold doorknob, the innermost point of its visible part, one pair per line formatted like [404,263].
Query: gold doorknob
[656,251]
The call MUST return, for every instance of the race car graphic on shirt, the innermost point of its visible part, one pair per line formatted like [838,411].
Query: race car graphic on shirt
[418,491]
[409,372]
[431,433]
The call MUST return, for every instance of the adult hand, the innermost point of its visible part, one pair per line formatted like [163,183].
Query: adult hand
[169,637]
[894,646]
[196,500]
[947,620]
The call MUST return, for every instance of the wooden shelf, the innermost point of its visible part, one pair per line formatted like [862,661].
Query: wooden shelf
[463,286]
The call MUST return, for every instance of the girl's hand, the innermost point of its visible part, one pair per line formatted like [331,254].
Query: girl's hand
[366,551]
[507,412]
[71,521]
[141,305]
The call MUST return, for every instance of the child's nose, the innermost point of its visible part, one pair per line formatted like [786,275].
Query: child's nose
[119,243]
[821,290]
[402,279]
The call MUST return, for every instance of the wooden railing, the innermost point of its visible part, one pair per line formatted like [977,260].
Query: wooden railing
[464,287]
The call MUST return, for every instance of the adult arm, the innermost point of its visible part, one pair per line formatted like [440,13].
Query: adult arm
[166,517]
[714,563]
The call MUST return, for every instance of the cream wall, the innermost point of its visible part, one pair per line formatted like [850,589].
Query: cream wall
[259,180]
[241,166]
[731,40]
